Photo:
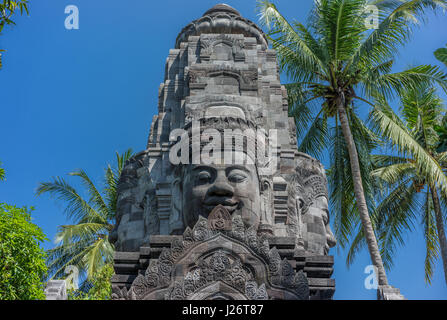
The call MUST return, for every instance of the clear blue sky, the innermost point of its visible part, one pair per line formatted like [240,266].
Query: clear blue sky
[71,98]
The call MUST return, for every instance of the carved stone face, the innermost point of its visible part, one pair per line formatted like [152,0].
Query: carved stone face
[236,187]
[319,233]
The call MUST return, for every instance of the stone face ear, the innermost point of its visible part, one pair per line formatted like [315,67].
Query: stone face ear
[266,189]
[176,223]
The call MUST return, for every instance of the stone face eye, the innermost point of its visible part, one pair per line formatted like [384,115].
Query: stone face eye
[203,177]
[237,177]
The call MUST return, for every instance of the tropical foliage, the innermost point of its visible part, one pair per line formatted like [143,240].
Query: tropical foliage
[414,187]
[22,260]
[441,55]
[85,244]
[2,173]
[99,287]
[337,65]
[7,10]
[441,130]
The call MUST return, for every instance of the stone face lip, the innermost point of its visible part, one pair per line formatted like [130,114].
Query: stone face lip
[221,8]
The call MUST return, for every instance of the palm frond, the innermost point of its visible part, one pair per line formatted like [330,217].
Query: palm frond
[395,215]
[404,141]
[62,256]
[431,237]
[390,83]
[72,233]
[291,44]
[441,55]
[358,243]
[395,172]
[381,44]
[2,173]
[95,197]
[341,27]
[301,106]
[76,208]
[85,244]
[94,259]
[316,138]
[410,10]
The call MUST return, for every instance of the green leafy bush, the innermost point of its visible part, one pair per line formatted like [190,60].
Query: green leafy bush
[22,260]
[99,287]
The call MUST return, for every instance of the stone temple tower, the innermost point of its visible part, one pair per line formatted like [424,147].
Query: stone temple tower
[191,226]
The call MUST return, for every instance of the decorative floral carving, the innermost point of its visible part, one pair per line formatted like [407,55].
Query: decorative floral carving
[274,261]
[254,292]
[188,238]
[217,266]
[200,231]
[238,230]
[139,286]
[151,274]
[208,44]
[219,262]
[219,219]
[119,294]
[176,248]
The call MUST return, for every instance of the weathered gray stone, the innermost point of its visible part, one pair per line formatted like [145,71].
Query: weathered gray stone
[56,290]
[389,293]
[222,76]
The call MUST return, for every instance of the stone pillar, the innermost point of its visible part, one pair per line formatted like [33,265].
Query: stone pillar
[389,293]
[56,290]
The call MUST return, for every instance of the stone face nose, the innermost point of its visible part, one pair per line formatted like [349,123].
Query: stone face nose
[221,188]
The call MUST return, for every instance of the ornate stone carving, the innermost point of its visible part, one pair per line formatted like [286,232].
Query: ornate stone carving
[219,219]
[224,18]
[209,42]
[198,76]
[255,292]
[318,237]
[222,76]
[219,265]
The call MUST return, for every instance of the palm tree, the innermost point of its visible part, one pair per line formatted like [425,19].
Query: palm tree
[7,10]
[2,173]
[335,63]
[414,190]
[441,55]
[441,130]
[85,243]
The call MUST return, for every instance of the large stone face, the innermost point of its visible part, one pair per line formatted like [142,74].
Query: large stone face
[222,77]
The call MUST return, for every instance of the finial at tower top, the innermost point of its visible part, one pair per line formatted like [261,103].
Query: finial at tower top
[222,7]
[222,19]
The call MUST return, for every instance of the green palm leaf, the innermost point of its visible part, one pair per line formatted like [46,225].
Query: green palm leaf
[85,243]
[404,141]
[431,238]
[441,55]
[336,61]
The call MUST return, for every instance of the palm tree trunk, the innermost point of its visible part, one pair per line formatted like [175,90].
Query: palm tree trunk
[360,196]
[440,228]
